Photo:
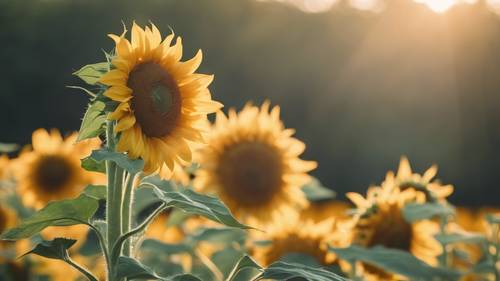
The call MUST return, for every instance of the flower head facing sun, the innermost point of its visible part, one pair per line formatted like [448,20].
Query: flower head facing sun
[163,103]
[427,189]
[252,163]
[4,167]
[51,171]
[379,221]
[298,236]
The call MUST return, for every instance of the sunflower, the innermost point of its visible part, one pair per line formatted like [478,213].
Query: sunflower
[51,171]
[252,163]
[163,103]
[13,267]
[297,236]
[318,211]
[160,230]
[4,167]
[379,221]
[427,188]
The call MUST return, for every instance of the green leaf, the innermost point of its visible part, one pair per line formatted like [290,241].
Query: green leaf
[133,269]
[183,277]
[58,213]
[315,191]
[219,235]
[395,261]
[199,204]
[493,218]
[54,249]
[286,271]
[97,192]
[445,239]
[93,121]
[165,248]
[91,73]
[8,147]
[122,160]
[414,212]
[156,181]
[244,263]
[92,165]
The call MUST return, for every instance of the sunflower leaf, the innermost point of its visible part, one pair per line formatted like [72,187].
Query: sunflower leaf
[130,165]
[245,263]
[315,191]
[395,261]
[156,246]
[98,192]
[92,165]
[91,73]
[414,212]
[93,121]
[183,277]
[58,213]
[199,204]
[133,269]
[285,271]
[451,238]
[53,249]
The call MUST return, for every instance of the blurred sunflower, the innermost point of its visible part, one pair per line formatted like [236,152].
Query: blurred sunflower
[379,221]
[4,167]
[51,171]
[252,163]
[297,236]
[318,211]
[11,250]
[470,221]
[163,103]
[426,189]
[160,230]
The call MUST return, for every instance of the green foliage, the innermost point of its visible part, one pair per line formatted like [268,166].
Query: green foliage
[54,249]
[315,191]
[93,121]
[451,238]
[199,204]
[156,246]
[97,192]
[396,261]
[245,263]
[133,269]
[58,213]
[92,165]
[130,165]
[91,73]
[414,212]
[286,271]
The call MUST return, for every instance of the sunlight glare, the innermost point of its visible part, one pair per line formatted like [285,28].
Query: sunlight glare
[438,6]
[367,5]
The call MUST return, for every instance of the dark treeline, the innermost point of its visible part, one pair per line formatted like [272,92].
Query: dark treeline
[360,88]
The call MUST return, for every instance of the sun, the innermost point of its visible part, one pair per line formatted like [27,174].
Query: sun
[438,6]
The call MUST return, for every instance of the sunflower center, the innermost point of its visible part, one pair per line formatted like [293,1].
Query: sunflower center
[392,231]
[251,173]
[294,244]
[53,172]
[156,99]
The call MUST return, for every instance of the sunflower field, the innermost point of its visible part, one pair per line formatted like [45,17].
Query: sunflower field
[162,182]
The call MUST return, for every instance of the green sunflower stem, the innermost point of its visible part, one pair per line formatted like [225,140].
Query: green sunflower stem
[114,197]
[444,256]
[127,212]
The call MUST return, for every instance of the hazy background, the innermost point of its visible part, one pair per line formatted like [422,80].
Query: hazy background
[363,82]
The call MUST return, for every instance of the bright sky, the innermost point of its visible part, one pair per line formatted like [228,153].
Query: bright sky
[438,6]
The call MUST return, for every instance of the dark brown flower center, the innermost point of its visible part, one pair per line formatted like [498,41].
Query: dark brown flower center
[3,220]
[293,244]
[53,172]
[392,231]
[156,100]
[251,173]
